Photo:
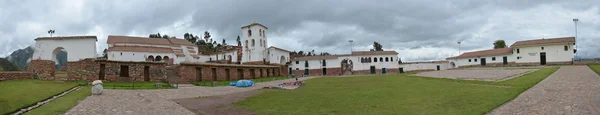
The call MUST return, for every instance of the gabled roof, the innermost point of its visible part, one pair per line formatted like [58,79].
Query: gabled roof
[66,37]
[278,48]
[374,53]
[140,49]
[316,57]
[137,40]
[544,41]
[492,52]
[255,24]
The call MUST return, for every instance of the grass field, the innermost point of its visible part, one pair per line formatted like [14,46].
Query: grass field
[134,85]
[392,94]
[62,104]
[596,68]
[226,83]
[16,94]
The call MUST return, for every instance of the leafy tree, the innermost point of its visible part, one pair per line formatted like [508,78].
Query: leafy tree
[206,36]
[155,35]
[301,53]
[201,42]
[105,53]
[377,46]
[499,44]
[313,53]
[51,32]
[190,37]
[223,42]
[309,54]
[239,42]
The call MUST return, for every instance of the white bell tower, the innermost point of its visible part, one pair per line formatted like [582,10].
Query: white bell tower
[254,43]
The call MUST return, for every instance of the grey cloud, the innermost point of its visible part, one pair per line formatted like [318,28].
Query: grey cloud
[325,26]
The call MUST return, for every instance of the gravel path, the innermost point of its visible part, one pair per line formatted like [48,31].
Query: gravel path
[477,74]
[154,102]
[571,90]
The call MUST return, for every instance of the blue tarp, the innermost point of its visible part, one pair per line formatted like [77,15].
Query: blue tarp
[244,83]
[232,83]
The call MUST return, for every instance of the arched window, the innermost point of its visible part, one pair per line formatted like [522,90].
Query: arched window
[166,58]
[260,42]
[380,59]
[249,33]
[362,60]
[375,59]
[229,57]
[150,58]
[392,59]
[387,59]
[158,58]
[246,43]
[264,35]
[369,60]
[259,32]
[252,42]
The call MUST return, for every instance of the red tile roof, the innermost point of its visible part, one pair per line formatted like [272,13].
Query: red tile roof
[316,57]
[255,24]
[137,40]
[374,53]
[501,51]
[279,48]
[66,37]
[544,41]
[141,49]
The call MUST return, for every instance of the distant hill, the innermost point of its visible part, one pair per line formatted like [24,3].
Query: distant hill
[22,57]
[6,65]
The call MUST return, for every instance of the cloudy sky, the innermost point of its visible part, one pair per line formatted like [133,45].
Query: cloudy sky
[417,29]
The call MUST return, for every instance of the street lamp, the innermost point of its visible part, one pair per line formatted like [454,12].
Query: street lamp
[351,45]
[575,20]
[458,47]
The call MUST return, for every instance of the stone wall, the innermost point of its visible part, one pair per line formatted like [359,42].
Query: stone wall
[194,72]
[586,63]
[15,75]
[43,69]
[90,69]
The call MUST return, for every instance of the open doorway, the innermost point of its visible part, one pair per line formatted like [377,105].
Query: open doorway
[542,58]
[146,73]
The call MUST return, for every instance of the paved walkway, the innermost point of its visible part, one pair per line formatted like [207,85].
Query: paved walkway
[571,90]
[154,102]
[487,74]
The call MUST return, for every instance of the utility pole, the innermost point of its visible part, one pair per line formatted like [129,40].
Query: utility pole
[575,20]
[351,50]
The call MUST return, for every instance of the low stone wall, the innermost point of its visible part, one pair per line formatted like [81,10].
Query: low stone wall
[90,70]
[15,75]
[586,63]
[194,72]
[44,69]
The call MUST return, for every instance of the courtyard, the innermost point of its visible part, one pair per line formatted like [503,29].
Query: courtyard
[566,89]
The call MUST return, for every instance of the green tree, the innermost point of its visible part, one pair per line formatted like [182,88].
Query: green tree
[105,53]
[207,36]
[377,46]
[239,42]
[499,44]
[51,32]
[223,43]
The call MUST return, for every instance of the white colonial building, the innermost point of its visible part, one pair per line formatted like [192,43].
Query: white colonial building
[528,52]
[175,51]
[357,62]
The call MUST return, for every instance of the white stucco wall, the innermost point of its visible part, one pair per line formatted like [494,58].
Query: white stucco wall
[275,56]
[76,49]
[257,52]
[488,59]
[357,65]
[424,66]
[138,56]
[554,53]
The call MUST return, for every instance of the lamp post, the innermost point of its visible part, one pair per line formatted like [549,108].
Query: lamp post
[458,47]
[351,45]
[575,20]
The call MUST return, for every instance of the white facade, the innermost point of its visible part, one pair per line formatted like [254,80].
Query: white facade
[557,52]
[335,62]
[138,56]
[278,56]
[77,48]
[254,43]
[414,66]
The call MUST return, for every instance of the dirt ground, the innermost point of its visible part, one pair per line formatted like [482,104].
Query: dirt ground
[218,105]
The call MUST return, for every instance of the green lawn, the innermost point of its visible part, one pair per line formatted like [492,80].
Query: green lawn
[392,94]
[62,104]
[596,68]
[16,94]
[61,75]
[226,83]
[134,85]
